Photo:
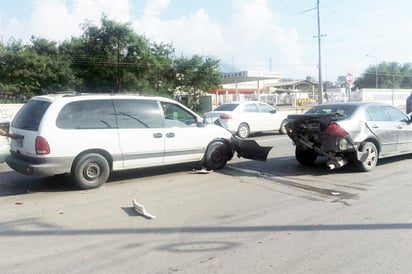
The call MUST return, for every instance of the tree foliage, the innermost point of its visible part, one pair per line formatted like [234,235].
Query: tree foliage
[106,58]
[388,75]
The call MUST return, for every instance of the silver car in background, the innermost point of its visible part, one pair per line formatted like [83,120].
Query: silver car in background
[244,118]
[357,132]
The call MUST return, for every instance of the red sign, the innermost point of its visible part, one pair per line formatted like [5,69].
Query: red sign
[349,78]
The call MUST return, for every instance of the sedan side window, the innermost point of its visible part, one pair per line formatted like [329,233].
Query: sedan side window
[250,108]
[377,113]
[396,114]
[266,108]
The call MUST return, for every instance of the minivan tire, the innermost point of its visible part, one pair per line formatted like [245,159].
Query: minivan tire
[90,170]
[216,156]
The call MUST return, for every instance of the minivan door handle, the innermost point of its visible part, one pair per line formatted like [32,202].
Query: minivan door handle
[170,135]
[157,135]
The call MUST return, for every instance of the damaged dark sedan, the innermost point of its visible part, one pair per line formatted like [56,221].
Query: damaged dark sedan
[359,133]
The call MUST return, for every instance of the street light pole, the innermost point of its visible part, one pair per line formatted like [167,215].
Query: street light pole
[376,68]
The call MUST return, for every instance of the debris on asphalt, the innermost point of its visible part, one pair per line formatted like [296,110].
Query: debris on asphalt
[141,210]
[202,171]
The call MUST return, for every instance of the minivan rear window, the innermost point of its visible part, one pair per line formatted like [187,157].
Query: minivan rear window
[30,115]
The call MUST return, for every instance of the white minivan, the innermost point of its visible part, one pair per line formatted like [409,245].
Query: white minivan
[88,136]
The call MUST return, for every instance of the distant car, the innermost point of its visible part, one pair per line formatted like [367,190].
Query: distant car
[244,118]
[354,132]
[4,141]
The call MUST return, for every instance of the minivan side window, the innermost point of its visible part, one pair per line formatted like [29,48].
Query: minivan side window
[30,115]
[89,114]
[138,113]
[176,116]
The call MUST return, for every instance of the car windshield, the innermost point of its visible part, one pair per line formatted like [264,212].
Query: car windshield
[226,107]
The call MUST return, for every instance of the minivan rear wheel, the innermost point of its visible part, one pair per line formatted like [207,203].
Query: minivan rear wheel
[90,171]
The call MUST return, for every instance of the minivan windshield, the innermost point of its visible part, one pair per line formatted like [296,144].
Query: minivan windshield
[30,115]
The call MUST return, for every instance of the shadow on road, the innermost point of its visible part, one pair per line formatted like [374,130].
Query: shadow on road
[13,183]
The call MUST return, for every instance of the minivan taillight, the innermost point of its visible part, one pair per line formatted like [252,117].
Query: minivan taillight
[42,146]
[335,130]
[225,116]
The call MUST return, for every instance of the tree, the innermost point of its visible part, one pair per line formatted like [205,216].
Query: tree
[110,58]
[33,69]
[196,76]
[390,75]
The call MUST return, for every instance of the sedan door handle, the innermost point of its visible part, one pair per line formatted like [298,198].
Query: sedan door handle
[170,135]
[375,126]
[157,135]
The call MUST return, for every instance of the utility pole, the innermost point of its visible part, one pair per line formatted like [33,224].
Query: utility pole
[319,36]
[320,99]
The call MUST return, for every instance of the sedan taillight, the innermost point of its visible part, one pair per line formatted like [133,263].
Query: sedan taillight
[225,116]
[42,146]
[335,130]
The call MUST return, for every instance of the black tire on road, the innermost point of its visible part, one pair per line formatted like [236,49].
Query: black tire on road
[243,130]
[282,129]
[90,171]
[305,157]
[216,156]
[372,158]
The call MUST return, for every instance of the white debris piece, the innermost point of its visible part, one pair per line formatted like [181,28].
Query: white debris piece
[141,210]
[202,171]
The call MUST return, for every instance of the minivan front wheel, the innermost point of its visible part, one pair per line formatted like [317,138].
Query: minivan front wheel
[217,155]
[90,171]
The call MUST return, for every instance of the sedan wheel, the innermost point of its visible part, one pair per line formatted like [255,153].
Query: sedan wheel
[282,129]
[372,157]
[305,157]
[243,130]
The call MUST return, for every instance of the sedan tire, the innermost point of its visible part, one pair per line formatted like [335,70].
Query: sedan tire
[305,157]
[243,130]
[372,159]
[282,129]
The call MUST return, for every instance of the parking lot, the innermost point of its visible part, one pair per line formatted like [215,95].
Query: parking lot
[265,217]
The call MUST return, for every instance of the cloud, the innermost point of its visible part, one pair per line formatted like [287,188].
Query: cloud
[251,36]
[258,30]
[193,34]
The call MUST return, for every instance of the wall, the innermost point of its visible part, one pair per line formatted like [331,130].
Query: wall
[8,111]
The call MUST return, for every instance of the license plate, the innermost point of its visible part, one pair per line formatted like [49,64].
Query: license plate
[313,126]
[19,142]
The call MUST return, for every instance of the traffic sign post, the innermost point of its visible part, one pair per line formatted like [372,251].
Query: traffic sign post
[349,80]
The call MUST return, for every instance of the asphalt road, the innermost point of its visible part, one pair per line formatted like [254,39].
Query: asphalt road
[251,217]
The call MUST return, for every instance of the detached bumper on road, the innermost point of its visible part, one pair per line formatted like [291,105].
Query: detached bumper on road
[250,149]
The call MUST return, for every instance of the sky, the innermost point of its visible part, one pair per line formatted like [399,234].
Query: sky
[259,35]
